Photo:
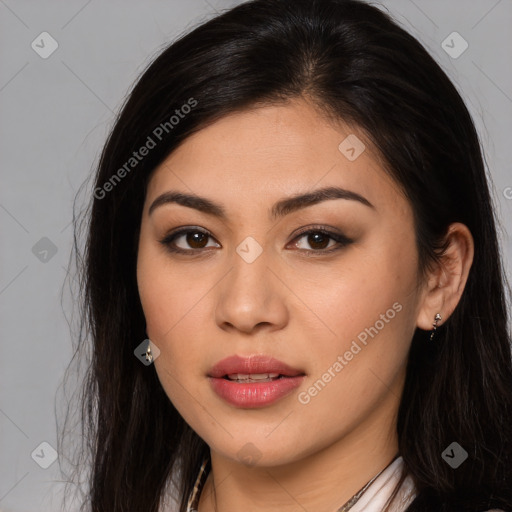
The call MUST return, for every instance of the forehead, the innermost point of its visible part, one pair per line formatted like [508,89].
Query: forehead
[265,153]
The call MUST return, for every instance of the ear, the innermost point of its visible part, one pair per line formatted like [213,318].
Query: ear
[446,282]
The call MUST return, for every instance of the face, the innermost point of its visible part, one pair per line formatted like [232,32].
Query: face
[328,286]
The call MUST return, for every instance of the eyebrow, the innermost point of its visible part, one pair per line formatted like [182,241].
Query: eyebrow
[279,209]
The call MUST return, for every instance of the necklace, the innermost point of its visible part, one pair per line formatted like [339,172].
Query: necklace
[352,501]
[344,508]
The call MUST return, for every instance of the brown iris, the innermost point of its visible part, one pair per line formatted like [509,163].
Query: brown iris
[318,240]
[196,238]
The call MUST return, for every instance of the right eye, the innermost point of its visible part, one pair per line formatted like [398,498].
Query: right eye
[191,240]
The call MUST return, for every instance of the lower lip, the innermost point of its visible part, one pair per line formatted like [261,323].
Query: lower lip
[254,394]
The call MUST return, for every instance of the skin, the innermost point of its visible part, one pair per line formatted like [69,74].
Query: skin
[305,311]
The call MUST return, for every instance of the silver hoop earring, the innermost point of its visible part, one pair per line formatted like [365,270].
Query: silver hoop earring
[434,325]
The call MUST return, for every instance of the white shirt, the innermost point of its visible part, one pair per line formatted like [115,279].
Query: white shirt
[375,497]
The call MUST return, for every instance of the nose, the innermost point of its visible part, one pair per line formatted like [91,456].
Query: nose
[251,298]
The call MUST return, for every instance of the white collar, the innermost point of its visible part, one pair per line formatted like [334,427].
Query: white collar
[376,496]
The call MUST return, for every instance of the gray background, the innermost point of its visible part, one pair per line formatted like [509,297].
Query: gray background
[55,114]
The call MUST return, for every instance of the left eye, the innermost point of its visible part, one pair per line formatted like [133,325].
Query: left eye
[320,240]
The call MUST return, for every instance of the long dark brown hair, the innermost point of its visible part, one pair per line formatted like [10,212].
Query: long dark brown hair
[357,65]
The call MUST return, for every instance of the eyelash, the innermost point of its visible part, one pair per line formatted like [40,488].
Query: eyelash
[342,240]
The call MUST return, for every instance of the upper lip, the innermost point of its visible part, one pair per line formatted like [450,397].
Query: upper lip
[257,363]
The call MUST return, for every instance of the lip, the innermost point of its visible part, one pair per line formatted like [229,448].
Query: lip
[254,394]
[257,363]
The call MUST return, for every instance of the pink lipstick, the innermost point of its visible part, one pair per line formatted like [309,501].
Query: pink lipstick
[254,381]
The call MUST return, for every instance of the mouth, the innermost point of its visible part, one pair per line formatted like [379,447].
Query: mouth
[255,368]
[255,381]
[255,377]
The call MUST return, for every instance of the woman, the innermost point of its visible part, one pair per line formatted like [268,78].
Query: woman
[292,278]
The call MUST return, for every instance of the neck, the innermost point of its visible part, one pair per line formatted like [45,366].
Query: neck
[322,481]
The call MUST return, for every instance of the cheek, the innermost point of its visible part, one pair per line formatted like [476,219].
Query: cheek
[174,307]
[172,311]
[366,313]
[170,294]
[352,296]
